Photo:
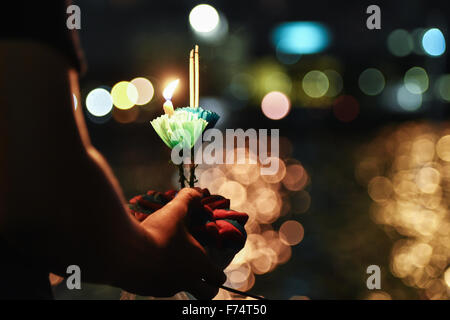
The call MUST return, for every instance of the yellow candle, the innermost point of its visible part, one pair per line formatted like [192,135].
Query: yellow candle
[196,74]
[168,108]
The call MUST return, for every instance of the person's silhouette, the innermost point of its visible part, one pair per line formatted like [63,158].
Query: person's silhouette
[60,203]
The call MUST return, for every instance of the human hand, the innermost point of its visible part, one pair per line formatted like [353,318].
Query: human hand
[217,228]
[180,262]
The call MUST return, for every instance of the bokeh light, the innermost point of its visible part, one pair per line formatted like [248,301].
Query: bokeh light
[371,81]
[315,84]
[277,176]
[300,37]
[269,75]
[379,295]
[443,87]
[262,198]
[233,190]
[409,189]
[380,189]
[336,83]
[267,205]
[99,102]
[447,277]
[409,101]
[275,105]
[204,18]
[433,42]
[443,148]
[296,177]
[124,95]
[212,178]
[346,108]
[416,80]
[428,179]
[400,43]
[277,81]
[291,232]
[145,90]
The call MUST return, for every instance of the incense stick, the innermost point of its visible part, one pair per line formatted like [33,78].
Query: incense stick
[191,78]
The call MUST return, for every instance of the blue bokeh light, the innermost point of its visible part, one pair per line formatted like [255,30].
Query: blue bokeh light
[433,42]
[300,37]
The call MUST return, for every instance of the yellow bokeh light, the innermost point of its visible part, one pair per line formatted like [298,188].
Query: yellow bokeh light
[245,173]
[447,277]
[266,203]
[269,76]
[423,150]
[264,200]
[380,189]
[124,95]
[428,179]
[277,176]
[413,200]
[379,295]
[315,84]
[233,190]
[443,148]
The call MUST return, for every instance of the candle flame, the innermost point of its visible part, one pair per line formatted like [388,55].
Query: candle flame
[170,89]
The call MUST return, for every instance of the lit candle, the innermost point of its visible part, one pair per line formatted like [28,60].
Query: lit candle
[168,93]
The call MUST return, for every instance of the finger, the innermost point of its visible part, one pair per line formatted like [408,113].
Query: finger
[221,214]
[204,192]
[178,208]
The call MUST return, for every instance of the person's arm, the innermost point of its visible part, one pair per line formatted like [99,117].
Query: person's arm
[61,203]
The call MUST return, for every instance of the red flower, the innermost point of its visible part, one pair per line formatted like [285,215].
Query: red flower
[219,229]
